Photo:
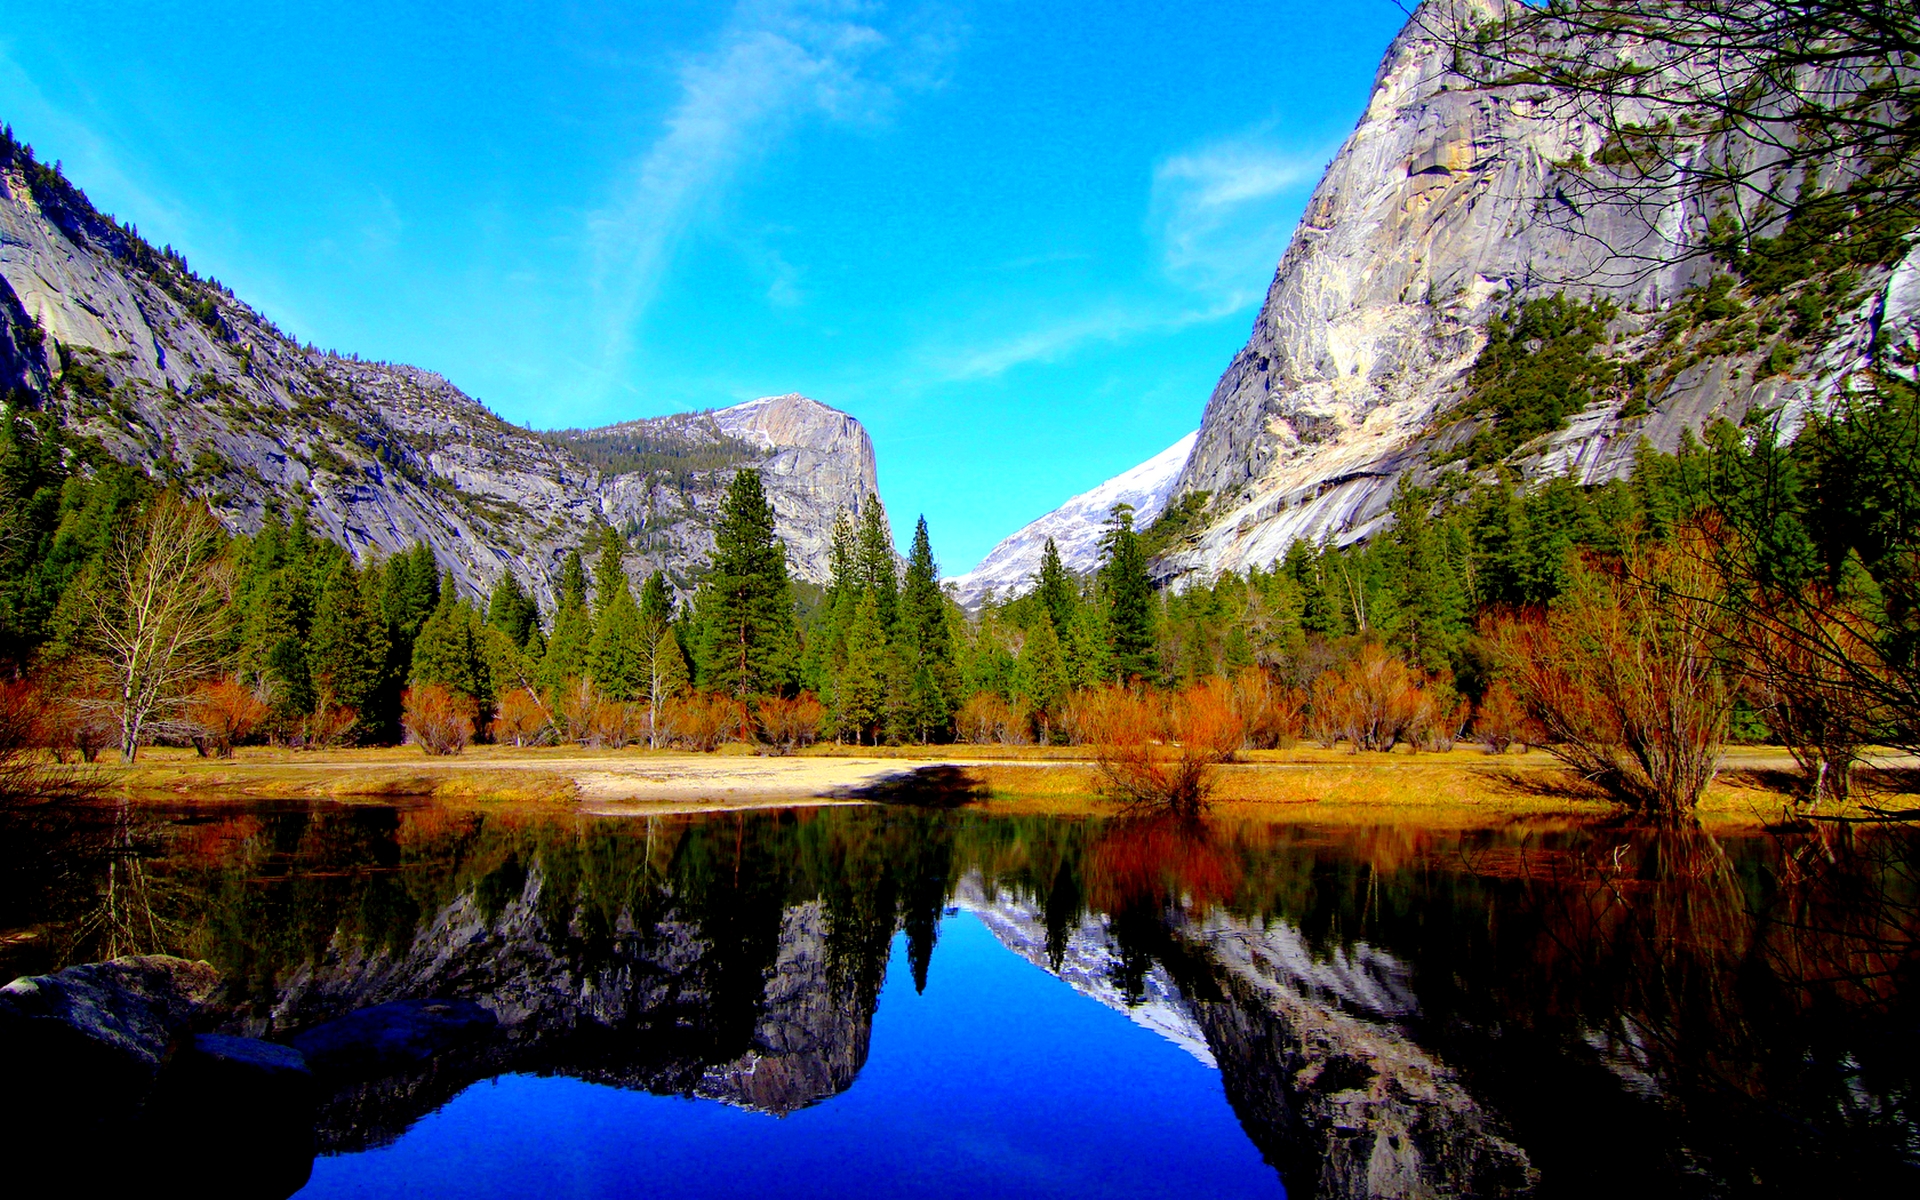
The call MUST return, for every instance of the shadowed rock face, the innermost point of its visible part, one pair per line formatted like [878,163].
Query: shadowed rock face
[762,1024]
[1443,207]
[170,372]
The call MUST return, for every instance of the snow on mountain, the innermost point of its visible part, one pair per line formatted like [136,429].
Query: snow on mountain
[1075,527]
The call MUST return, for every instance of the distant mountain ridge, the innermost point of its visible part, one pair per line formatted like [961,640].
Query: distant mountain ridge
[1075,527]
[170,372]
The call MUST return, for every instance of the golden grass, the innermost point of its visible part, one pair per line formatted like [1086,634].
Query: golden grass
[1464,788]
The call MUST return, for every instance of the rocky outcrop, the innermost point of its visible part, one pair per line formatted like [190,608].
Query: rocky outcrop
[1317,1060]
[1075,527]
[1447,204]
[659,1007]
[1313,1046]
[105,1076]
[173,374]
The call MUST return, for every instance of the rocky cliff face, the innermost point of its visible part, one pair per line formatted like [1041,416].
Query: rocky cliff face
[1446,205]
[173,374]
[662,1008]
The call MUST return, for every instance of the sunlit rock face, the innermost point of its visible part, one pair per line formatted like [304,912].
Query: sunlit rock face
[750,1017]
[1088,961]
[1442,208]
[1312,1045]
[1328,1082]
[178,377]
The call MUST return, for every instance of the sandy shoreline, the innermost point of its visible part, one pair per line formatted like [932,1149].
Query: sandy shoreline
[1463,787]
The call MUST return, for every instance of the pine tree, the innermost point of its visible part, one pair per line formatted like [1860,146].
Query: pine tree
[573,582]
[511,610]
[656,605]
[450,651]
[1088,647]
[750,643]
[926,642]
[876,565]
[1042,677]
[348,649]
[1055,592]
[616,655]
[609,571]
[1129,596]
[859,690]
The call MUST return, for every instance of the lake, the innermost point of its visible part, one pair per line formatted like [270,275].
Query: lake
[881,1001]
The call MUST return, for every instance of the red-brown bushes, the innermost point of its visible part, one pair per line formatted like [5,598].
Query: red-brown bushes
[438,720]
[789,724]
[227,712]
[1372,701]
[521,718]
[986,719]
[1624,673]
[1158,753]
[704,721]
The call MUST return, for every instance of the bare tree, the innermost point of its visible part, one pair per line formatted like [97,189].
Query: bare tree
[1746,114]
[159,610]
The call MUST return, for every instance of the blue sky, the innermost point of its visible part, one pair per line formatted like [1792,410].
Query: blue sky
[1019,241]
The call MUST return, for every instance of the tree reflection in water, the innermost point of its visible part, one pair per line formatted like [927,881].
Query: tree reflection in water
[1566,1011]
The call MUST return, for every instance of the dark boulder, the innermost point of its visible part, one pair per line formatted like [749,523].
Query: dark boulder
[88,1042]
[391,1038]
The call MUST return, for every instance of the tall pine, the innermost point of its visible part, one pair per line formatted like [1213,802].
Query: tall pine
[749,641]
[1129,596]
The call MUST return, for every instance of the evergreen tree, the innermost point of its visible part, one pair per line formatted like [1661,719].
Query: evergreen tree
[1055,592]
[750,642]
[926,644]
[1088,647]
[609,570]
[348,657]
[860,691]
[616,657]
[573,582]
[1043,679]
[451,651]
[656,605]
[876,563]
[511,610]
[1129,596]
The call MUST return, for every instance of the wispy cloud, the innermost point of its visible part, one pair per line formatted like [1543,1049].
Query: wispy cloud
[1219,215]
[1221,212]
[775,63]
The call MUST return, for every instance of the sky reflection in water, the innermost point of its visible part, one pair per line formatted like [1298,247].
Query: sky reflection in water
[999,1080]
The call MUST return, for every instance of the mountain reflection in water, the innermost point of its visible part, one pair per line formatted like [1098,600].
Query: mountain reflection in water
[1391,1012]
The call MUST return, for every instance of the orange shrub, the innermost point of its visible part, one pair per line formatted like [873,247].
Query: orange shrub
[787,724]
[1274,714]
[704,721]
[327,725]
[986,719]
[227,711]
[616,723]
[521,719]
[1501,719]
[438,720]
[1625,673]
[1160,753]
[1372,701]
[574,707]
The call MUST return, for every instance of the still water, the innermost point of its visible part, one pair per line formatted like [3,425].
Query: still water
[894,1001]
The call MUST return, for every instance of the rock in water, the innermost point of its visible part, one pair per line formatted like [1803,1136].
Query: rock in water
[393,1037]
[103,1030]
